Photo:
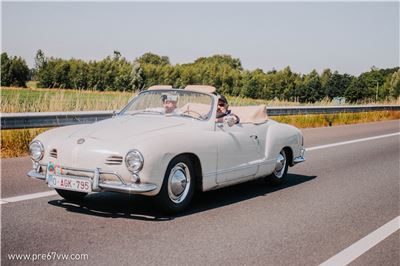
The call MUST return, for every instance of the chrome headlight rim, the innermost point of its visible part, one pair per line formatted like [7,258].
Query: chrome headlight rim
[41,147]
[139,156]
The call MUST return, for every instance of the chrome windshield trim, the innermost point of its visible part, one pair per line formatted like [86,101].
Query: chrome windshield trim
[212,106]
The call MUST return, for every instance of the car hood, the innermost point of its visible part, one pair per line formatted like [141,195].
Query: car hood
[124,127]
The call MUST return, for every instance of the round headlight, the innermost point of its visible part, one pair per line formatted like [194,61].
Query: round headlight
[36,150]
[134,161]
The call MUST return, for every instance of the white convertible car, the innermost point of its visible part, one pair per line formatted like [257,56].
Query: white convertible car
[169,154]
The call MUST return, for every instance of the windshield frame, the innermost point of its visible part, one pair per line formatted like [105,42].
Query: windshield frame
[212,110]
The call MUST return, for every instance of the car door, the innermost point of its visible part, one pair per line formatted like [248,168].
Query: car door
[238,152]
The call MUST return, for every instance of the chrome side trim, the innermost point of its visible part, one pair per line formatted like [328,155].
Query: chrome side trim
[241,167]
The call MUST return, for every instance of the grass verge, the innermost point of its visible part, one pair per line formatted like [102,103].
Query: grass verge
[322,120]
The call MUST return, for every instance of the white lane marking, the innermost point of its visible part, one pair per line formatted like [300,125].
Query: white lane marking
[28,197]
[351,141]
[52,193]
[364,244]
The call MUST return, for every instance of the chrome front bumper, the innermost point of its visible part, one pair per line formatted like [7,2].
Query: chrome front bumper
[299,159]
[97,184]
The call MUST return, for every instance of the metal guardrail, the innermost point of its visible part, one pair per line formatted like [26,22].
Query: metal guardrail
[307,110]
[51,119]
[54,119]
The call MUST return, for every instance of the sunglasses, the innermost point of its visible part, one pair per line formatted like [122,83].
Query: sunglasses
[221,104]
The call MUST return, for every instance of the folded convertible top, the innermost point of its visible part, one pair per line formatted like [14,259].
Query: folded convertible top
[256,114]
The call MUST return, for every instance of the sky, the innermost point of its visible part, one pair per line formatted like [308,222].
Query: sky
[349,37]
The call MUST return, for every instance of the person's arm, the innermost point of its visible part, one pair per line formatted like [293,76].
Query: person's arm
[231,119]
[237,118]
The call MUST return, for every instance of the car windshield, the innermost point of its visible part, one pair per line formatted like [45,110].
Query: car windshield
[175,102]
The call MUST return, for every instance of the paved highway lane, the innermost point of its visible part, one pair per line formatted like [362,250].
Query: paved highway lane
[339,196]
[14,181]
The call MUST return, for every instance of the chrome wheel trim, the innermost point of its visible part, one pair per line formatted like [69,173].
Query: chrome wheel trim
[179,182]
[280,164]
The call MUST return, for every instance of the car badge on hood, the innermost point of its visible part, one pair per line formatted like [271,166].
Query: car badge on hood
[80,141]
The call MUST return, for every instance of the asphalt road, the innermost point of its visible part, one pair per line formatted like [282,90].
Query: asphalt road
[337,197]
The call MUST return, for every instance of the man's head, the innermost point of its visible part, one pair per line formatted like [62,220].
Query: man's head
[170,102]
[222,105]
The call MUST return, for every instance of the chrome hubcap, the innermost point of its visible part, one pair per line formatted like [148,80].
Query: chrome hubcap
[280,164]
[178,182]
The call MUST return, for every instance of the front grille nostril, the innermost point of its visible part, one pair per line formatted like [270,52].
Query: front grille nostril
[53,153]
[114,160]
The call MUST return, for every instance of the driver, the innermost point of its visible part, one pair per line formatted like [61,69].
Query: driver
[224,114]
[170,103]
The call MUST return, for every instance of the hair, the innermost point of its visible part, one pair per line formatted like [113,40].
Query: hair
[222,99]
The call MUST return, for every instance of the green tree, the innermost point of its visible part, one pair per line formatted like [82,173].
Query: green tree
[311,90]
[325,76]
[337,85]
[137,77]
[150,58]
[357,90]
[392,84]
[14,71]
[5,70]
[253,83]
[284,84]
[220,60]
[40,59]
[222,71]
[374,80]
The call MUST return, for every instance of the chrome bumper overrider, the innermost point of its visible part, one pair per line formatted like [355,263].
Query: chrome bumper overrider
[299,159]
[97,184]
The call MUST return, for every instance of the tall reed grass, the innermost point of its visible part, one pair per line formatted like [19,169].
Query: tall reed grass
[14,100]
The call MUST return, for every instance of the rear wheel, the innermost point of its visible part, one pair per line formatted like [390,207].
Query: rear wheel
[178,186]
[281,168]
[73,196]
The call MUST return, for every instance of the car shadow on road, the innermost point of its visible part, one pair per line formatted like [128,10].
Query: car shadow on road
[116,205]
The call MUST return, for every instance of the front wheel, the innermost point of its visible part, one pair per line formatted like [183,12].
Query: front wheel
[178,186]
[281,168]
[73,196]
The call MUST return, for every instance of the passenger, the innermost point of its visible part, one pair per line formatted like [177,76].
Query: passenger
[170,103]
[224,114]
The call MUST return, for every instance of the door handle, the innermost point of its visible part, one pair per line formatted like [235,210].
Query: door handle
[255,138]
